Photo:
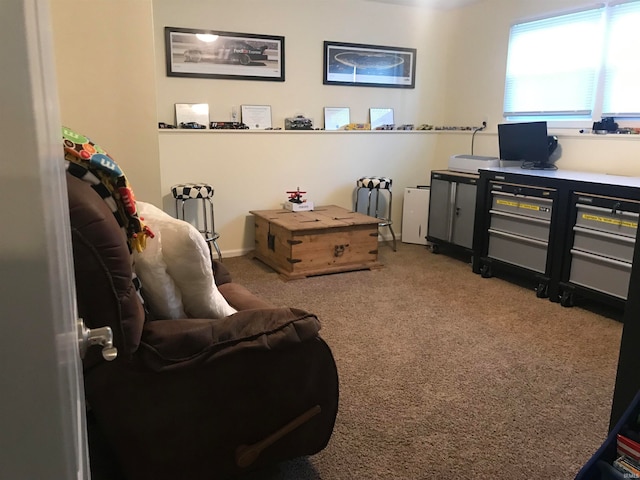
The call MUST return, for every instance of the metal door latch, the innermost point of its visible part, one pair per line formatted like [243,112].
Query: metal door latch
[96,336]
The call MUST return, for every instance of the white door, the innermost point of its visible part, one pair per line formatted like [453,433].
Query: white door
[42,429]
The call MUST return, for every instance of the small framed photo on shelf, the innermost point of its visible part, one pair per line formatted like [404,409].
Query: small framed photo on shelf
[256,117]
[213,54]
[381,117]
[192,115]
[336,118]
[369,65]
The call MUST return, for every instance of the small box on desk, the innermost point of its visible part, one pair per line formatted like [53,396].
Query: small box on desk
[298,207]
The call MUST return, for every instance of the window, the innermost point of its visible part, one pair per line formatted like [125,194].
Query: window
[577,66]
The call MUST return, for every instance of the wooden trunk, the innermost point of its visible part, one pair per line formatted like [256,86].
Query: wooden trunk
[327,240]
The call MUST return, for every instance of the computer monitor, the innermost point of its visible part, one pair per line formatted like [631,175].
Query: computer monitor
[527,142]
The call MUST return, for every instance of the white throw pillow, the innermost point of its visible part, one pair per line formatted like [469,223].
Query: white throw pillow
[188,261]
[160,292]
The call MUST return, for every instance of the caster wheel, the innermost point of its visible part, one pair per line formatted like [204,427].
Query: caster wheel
[566,300]
[434,248]
[542,290]
[485,271]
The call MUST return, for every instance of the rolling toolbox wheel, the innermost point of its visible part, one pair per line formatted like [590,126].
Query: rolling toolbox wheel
[542,290]
[566,300]
[434,248]
[485,271]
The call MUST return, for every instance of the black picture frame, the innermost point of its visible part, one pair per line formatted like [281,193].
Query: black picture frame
[380,66]
[191,52]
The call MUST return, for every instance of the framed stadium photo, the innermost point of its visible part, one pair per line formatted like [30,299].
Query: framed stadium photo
[369,65]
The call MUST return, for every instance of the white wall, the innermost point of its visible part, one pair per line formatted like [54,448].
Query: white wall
[475,89]
[106,76]
[460,80]
[305,25]
[253,170]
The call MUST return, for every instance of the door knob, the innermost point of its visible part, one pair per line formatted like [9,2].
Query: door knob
[96,336]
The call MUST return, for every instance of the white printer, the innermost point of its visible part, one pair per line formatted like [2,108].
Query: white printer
[471,163]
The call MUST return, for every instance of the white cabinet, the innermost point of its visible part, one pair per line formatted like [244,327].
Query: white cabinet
[415,215]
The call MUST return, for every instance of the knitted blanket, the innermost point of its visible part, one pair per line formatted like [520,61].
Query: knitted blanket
[87,161]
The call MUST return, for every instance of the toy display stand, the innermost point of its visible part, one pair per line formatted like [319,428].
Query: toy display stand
[296,203]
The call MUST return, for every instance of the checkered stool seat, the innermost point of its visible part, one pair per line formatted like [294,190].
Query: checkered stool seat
[374,182]
[184,191]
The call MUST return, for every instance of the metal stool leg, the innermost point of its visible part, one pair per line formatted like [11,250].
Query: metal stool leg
[211,235]
[389,222]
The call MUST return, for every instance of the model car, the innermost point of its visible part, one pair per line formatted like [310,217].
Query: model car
[232,51]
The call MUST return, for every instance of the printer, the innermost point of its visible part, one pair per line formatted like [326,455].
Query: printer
[471,163]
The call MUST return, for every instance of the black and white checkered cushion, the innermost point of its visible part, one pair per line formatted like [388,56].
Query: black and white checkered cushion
[185,191]
[374,182]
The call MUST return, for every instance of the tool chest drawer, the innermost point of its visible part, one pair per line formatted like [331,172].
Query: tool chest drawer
[518,250]
[612,220]
[600,273]
[524,201]
[520,225]
[618,247]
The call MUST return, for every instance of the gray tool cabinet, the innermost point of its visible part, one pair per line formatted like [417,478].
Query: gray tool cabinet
[572,233]
[452,210]
[519,230]
[601,253]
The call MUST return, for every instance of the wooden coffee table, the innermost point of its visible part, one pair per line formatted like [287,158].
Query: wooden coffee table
[328,239]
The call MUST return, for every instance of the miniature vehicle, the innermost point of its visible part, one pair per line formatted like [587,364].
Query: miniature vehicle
[232,51]
[298,123]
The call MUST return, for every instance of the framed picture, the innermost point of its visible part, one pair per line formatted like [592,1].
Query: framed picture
[369,65]
[192,115]
[256,117]
[212,54]
[336,118]
[380,117]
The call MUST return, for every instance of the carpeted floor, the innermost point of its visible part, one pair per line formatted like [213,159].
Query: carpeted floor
[444,374]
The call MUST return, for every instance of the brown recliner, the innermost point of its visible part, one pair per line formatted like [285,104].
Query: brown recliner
[195,398]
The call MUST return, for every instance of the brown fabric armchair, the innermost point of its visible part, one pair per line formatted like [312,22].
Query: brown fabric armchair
[195,398]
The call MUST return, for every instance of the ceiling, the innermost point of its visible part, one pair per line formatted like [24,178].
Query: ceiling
[438,4]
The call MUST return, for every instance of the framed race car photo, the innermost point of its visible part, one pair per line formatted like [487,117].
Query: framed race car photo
[212,54]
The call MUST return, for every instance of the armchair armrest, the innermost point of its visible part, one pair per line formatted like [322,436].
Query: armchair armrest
[174,344]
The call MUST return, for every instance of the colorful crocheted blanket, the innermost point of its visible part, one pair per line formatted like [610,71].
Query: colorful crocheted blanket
[89,162]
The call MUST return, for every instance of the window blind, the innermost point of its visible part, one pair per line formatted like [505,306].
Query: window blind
[621,97]
[553,65]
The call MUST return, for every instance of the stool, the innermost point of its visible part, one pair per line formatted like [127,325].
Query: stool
[374,185]
[203,193]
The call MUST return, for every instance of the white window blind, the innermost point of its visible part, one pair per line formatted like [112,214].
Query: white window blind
[622,62]
[553,65]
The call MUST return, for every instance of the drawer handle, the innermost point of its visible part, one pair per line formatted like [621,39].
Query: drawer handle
[610,236]
[518,238]
[582,206]
[520,217]
[610,261]
[528,197]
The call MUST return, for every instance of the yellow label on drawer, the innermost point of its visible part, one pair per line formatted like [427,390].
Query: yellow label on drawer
[610,221]
[507,203]
[532,207]
[526,206]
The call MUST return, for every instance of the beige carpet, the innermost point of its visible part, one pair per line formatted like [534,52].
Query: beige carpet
[444,374]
